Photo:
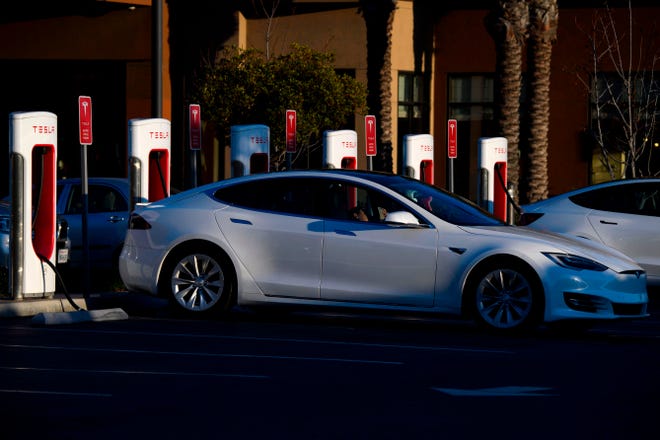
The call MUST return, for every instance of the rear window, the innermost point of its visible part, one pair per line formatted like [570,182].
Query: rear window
[290,196]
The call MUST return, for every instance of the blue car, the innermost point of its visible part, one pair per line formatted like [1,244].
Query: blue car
[108,205]
[107,220]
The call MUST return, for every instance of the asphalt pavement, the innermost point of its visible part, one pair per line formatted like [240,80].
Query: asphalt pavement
[64,308]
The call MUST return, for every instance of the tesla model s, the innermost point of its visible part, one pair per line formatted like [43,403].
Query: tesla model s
[297,238]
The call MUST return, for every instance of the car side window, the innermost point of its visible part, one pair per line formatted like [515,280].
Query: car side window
[347,201]
[603,199]
[284,195]
[635,198]
[74,204]
[101,198]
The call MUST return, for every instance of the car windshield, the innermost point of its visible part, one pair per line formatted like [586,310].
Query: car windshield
[445,205]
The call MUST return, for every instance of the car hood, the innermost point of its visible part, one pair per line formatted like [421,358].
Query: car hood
[612,258]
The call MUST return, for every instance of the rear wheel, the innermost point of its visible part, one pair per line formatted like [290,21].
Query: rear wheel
[506,297]
[198,280]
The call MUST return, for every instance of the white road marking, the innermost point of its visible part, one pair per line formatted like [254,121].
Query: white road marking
[56,393]
[510,391]
[292,340]
[202,354]
[149,373]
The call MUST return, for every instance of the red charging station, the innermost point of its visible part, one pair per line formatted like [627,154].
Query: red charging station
[418,157]
[340,149]
[33,188]
[149,142]
[250,149]
[492,162]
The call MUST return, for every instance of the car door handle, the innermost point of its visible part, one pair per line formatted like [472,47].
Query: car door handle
[116,219]
[605,222]
[240,221]
[343,232]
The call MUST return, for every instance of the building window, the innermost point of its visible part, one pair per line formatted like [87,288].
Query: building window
[412,108]
[470,100]
[610,111]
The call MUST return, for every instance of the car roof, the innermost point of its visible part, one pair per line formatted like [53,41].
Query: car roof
[374,176]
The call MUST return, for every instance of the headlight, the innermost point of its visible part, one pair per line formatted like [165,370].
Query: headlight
[575,262]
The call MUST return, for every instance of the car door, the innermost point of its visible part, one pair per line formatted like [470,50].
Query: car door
[631,223]
[272,227]
[374,261]
[107,221]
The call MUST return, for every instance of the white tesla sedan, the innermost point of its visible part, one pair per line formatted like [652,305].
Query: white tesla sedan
[622,214]
[358,239]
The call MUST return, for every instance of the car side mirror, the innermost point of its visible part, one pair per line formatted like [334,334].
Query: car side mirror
[402,217]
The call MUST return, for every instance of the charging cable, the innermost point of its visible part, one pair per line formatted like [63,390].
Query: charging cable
[59,277]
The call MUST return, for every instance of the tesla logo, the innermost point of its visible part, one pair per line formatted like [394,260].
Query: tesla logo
[426,147]
[159,134]
[348,144]
[195,127]
[290,131]
[259,139]
[452,139]
[43,129]
[370,134]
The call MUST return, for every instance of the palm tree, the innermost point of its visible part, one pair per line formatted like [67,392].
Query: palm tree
[544,16]
[507,24]
[379,18]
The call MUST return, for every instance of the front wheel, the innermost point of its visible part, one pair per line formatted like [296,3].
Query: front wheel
[505,297]
[198,281]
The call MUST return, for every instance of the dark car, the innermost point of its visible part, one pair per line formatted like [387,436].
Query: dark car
[107,220]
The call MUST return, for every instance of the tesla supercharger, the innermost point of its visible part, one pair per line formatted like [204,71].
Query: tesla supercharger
[149,144]
[492,160]
[33,187]
[418,157]
[250,149]
[340,149]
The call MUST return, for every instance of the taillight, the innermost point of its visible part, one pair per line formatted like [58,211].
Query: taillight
[527,218]
[137,222]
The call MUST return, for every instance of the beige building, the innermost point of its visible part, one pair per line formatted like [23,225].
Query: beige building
[443,64]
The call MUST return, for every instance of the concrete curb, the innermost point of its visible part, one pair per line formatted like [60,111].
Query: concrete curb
[31,307]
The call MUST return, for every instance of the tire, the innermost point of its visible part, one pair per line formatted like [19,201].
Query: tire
[198,280]
[506,296]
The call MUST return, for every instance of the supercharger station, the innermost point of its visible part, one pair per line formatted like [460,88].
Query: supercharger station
[250,149]
[340,149]
[492,162]
[33,187]
[418,157]
[149,143]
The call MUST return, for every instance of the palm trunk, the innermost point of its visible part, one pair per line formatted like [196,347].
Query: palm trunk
[379,16]
[508,26]
[544,18]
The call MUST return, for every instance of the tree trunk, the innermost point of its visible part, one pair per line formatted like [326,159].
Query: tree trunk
[379,16]
[544,16]
[508,25]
